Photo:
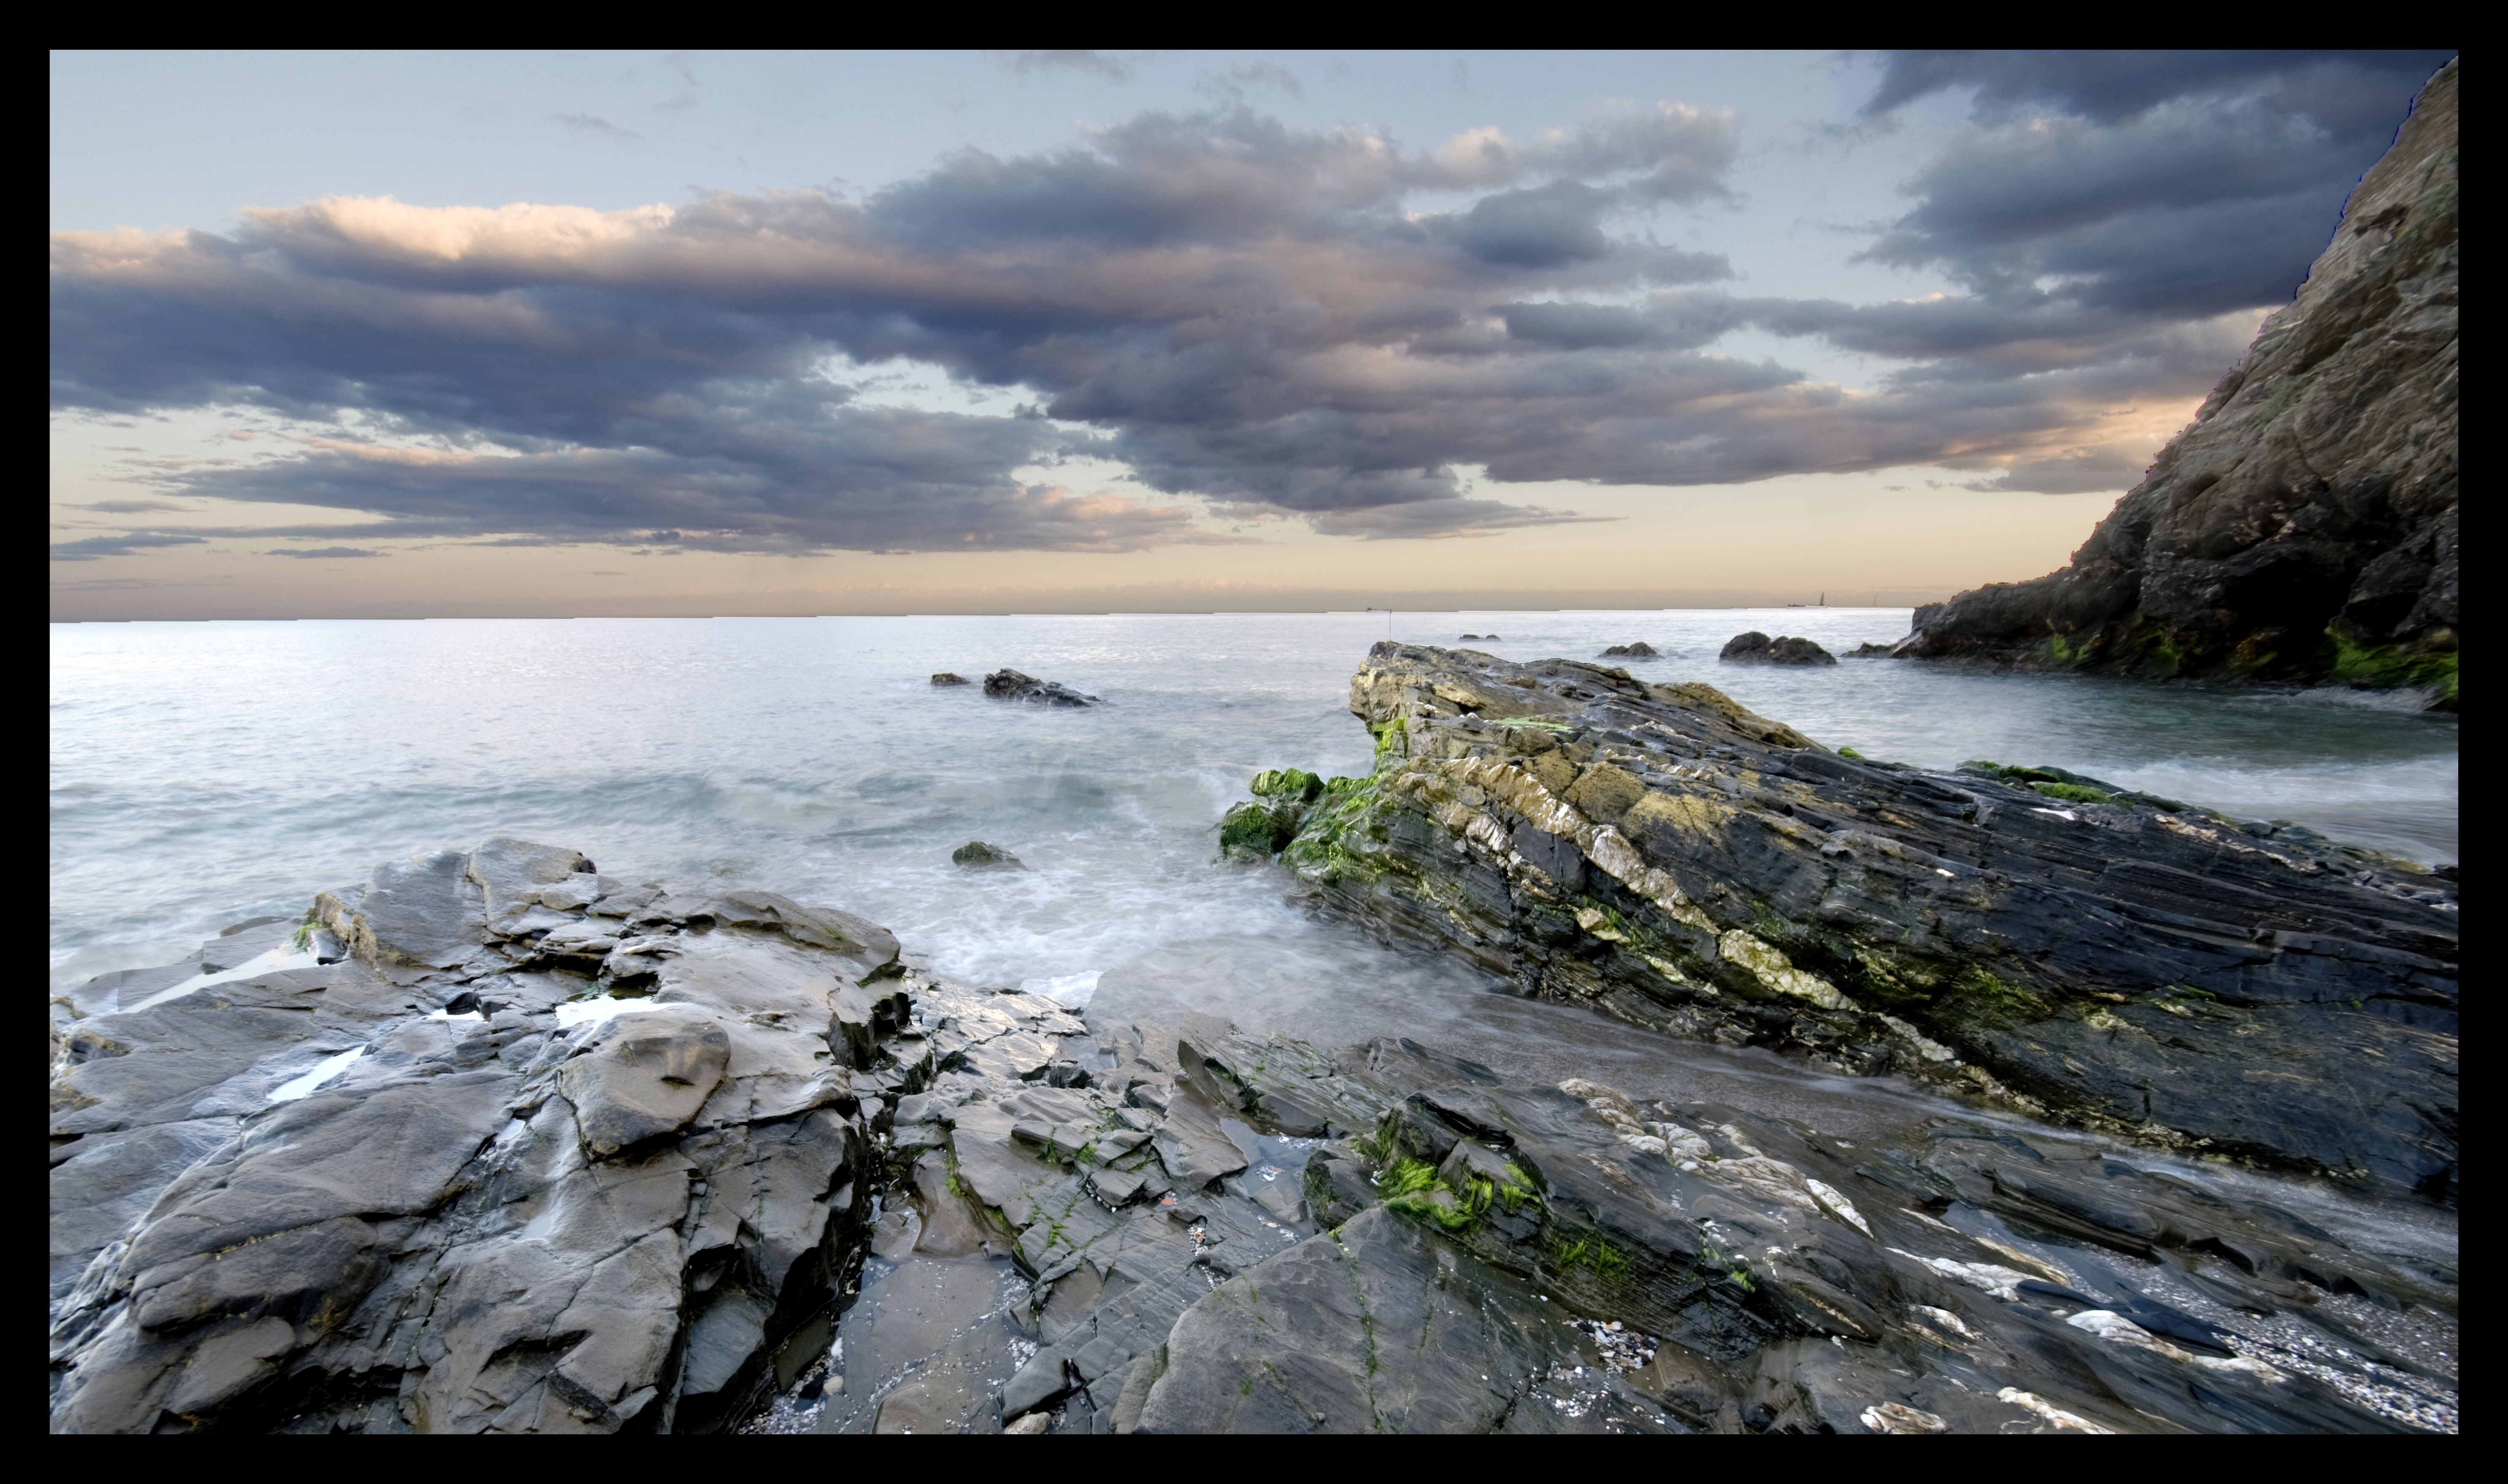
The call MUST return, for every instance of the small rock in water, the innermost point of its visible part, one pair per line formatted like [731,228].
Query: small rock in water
[1010,685]
[1484,638]
[1871,652]
[1637,650]
[975,855]
[945,677]
[1758,649]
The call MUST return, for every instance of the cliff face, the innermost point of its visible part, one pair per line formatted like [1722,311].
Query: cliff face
[2305,527]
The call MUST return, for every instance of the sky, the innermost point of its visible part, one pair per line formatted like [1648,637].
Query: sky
[339,335]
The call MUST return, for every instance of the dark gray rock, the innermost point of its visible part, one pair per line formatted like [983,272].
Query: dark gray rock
[1012,685]
[482,1221]
[1638,651]
[1758,649]
[945,677]
[975,855]
[1371,1328]
[645,1079]
[2106,959]
[2305,527]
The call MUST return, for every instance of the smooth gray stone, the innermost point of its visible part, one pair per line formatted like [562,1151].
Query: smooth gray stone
[649,1078]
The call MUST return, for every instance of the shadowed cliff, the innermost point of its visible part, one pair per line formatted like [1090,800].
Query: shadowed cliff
[2305,527]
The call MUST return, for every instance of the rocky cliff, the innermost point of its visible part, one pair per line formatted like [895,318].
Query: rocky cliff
[2039,940]
[2305,527]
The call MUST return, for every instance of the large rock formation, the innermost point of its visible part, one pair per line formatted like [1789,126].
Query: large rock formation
[1226,1233]
[408,1166]
[2047,943]
[419,1166]
[2305,527]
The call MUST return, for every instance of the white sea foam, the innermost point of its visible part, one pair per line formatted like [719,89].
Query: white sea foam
[580,1012]
[323,1071]
[1072,989]
[275,961]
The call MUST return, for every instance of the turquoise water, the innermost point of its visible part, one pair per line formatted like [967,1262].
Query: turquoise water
[205,772]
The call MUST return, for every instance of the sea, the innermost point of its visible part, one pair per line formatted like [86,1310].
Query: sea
[206,773]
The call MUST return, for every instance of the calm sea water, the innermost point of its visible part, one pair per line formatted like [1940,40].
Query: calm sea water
[205,772]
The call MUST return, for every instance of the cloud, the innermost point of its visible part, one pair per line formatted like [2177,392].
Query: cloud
[1253,315]
[592,128]
[2107,86]
[124,544]
[2174,184]
[1105,64]
[322,553]
[1234,85]
[135,506]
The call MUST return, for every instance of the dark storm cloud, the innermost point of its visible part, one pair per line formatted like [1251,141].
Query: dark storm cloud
[2105,86]
[1236,309]
[2144,184]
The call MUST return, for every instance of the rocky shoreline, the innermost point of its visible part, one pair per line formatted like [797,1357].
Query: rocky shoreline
[497,1143]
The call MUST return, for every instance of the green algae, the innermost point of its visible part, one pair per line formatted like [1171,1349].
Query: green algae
[2073,792]
[2386,667]
[1289,784]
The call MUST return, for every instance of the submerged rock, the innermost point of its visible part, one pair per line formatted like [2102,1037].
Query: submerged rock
[1758,649]
[1638,651]
[2305,527]
[2039,941]
[1869,651]
[975,855]
[945,677]
[1010,685]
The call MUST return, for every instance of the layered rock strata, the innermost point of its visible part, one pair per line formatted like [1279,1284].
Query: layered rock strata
[2111,960]
[415,1165]
[2305,527]
[1225,1233]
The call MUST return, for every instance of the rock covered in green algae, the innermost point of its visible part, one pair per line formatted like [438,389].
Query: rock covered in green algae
[975,855]
[2306,525]
[2108,959]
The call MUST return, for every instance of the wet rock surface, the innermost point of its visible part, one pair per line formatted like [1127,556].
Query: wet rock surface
[2306,525]
[1758,649]
[816,1187]
[1012,685]
[1637,650]
[415,1179]
[2021,937]
[1387,1237]
[975,855]
[945,678]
